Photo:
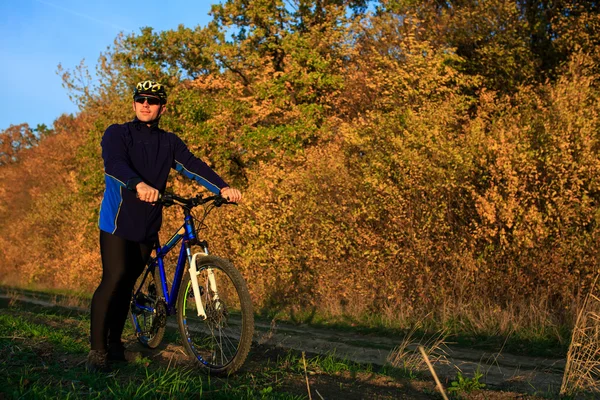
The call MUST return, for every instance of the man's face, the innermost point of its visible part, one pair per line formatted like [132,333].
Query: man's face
[145,111]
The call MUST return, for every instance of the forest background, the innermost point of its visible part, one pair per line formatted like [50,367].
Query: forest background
[401,160]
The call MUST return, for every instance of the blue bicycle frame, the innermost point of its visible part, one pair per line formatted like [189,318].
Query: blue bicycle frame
[187,233]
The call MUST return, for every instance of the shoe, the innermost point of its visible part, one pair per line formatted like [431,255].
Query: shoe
[118,352]
[97,361]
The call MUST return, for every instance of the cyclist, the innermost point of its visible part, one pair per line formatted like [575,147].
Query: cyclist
[138,156]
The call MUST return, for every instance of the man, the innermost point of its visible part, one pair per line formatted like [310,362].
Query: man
[138,156]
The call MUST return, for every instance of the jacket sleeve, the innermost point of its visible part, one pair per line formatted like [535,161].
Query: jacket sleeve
[116,160]
[194,168]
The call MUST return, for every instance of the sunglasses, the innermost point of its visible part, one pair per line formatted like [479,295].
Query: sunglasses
[153,101]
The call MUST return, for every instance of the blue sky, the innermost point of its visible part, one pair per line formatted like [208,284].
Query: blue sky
[37,35]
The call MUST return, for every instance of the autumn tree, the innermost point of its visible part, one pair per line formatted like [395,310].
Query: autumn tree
[447,148]
[16,138]
[509,43]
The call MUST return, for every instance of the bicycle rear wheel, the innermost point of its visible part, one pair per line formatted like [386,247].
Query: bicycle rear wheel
[221,341]
[148,310]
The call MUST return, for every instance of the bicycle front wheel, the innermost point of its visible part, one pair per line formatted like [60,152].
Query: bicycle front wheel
[219,342]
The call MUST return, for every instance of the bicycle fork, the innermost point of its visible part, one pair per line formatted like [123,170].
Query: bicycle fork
[212,283]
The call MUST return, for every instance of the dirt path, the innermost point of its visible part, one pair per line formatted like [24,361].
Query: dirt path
[502,371]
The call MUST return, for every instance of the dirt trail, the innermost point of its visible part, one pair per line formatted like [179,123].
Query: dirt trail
[501,371]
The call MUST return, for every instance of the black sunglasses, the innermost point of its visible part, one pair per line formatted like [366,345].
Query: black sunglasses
[153,101]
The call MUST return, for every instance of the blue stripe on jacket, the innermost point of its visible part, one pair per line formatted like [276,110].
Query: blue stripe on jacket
[189,174]
[111,204]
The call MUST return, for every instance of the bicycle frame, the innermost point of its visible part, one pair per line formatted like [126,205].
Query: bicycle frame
[187,234]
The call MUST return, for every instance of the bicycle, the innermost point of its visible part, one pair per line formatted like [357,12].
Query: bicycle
[212,303]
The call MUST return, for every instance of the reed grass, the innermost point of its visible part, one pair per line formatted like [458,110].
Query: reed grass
[582,370]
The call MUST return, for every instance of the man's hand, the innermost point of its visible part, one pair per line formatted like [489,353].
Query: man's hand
[231,194]
[146,192]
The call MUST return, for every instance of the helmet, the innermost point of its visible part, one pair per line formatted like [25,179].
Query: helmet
[151,88]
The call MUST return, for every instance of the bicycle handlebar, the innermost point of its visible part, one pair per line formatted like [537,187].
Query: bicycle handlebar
[169,199]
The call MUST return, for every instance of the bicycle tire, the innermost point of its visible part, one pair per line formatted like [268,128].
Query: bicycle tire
[229,316]
[149,326]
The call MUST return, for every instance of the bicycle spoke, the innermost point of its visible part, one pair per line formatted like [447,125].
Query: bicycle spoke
[217,339]
[221,346]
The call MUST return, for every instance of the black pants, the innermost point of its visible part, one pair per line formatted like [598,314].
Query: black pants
[122,263]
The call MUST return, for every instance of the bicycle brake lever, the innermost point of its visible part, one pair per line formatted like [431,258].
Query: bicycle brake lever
[219,201]
[165,199]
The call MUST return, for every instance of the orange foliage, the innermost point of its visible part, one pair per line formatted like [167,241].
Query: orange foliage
[382,169]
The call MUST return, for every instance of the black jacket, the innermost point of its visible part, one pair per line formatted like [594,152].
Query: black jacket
[132,153]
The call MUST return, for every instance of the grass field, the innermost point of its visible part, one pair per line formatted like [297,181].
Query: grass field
[43,350]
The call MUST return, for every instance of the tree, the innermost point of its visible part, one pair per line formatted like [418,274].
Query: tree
[509,43]
[16,138]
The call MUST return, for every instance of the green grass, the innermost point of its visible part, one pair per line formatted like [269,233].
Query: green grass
[43,352]
[42,360]
[20,329]
[464,384]
[328,364]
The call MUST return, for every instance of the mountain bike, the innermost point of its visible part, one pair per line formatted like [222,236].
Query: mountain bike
[211,302]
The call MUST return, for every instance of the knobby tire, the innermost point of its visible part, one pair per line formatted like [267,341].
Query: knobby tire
[219,344]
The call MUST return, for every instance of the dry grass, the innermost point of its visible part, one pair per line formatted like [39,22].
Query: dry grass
[582,370]
[533,317]
[406,355]
[432,370]
[267,336]
[13,297]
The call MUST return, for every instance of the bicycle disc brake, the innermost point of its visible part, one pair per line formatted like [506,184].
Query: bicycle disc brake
[217,314]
